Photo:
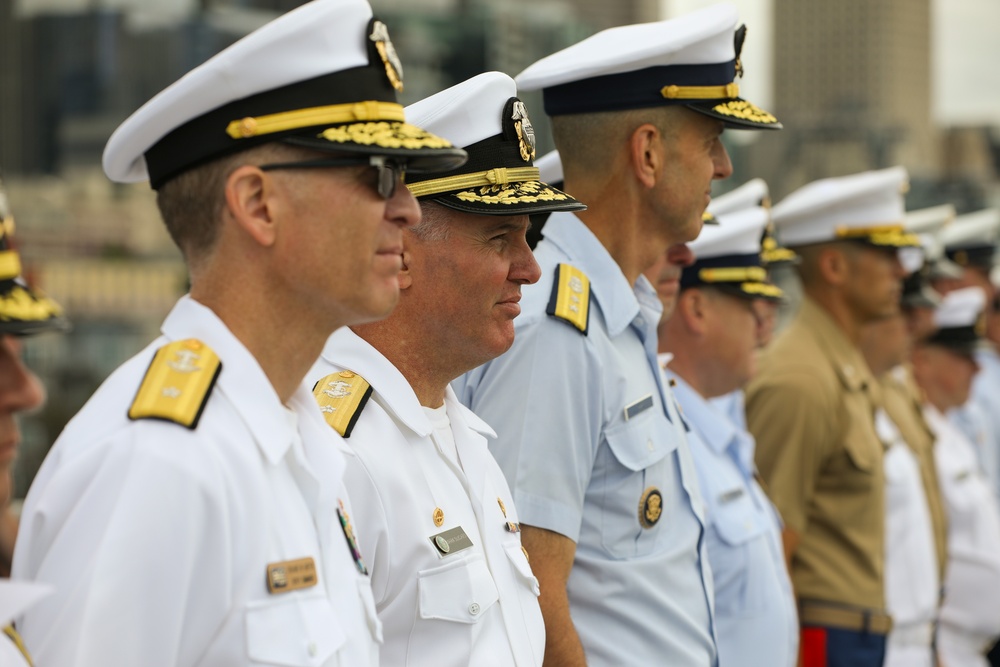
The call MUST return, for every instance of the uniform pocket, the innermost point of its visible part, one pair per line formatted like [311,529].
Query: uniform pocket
[739,547]
[371,614]
[632,476]
[292,630]
[461,591]
[520,563]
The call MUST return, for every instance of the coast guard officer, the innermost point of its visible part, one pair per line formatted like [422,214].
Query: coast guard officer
[451,581]
[811,409]
[193,513]
[943,366]
[708,346]
[588,435]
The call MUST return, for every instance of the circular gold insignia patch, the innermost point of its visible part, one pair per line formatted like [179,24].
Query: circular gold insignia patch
[650,507]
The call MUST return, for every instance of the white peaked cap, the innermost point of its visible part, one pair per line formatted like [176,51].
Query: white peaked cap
[699,38]
[867,206]
[690,60]
[738,233]
[972,229]
[960,308]
[468,112]
[751,194]
[929,220]
[269,85]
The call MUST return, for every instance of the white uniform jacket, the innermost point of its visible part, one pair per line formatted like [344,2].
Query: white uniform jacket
[475,606]
[970,616]
[158,538]
[912,588]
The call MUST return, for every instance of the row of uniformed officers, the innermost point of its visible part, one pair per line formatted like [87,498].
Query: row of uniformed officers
[381,430]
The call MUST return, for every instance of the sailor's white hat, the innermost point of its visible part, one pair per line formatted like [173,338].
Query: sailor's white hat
[324,76]
[692,60]
[866,207]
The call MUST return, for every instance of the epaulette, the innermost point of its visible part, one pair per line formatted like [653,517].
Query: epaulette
[570,299]
[342,397]
[177,384]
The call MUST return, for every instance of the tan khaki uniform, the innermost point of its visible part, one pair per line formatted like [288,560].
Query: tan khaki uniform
[901,400]
[811,409]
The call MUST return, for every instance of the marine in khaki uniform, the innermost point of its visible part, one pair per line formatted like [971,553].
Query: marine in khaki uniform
[812,408]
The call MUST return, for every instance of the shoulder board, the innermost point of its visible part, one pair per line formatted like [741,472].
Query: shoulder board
[342,397]
[570,299]
[177,384]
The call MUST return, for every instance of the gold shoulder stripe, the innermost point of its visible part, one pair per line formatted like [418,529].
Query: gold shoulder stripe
[177,383]
[570,299]
[342,397]
[19,643]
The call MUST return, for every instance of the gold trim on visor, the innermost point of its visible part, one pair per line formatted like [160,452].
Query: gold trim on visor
[766,290]
[10,265]
[735,274]
[700,92]
[384,135]
[492,177]
[529,192]
[744,110]
[893,235]
[333,114]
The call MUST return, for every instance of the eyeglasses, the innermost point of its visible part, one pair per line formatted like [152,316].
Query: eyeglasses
[390,171]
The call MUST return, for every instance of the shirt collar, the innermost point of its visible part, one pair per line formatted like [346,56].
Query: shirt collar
[713,426]
[608,284]
[241,379]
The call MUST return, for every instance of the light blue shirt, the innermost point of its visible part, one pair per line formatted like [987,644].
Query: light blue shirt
[979,418]
[638,595]
[754,605]
[733,405]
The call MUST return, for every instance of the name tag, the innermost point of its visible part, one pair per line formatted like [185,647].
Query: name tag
[291,575]
[451,541]
[730,496]
[643,404]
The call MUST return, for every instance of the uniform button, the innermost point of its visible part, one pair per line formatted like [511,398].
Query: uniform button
[649,444]
[474,608]
[312,649]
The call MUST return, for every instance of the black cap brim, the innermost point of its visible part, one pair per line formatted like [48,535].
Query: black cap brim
[737,114]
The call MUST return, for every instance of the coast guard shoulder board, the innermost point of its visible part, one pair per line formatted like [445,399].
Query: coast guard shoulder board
[570,299]
[342,397]
[177,384]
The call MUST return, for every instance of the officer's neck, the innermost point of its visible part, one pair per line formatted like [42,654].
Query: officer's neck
[834,303]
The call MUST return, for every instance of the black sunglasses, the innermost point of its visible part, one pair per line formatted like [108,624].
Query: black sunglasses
[390,171]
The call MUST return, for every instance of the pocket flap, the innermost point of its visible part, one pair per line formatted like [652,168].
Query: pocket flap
[292,630]
[461,591]
[642,441]
[737,524]
[520,561]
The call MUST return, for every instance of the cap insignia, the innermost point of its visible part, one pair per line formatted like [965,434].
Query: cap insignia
[525,132]
[386,51]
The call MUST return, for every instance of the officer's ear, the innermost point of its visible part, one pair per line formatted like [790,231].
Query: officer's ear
[644,153]
[405,277]
[252,203]
[693,306]
[834,265]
